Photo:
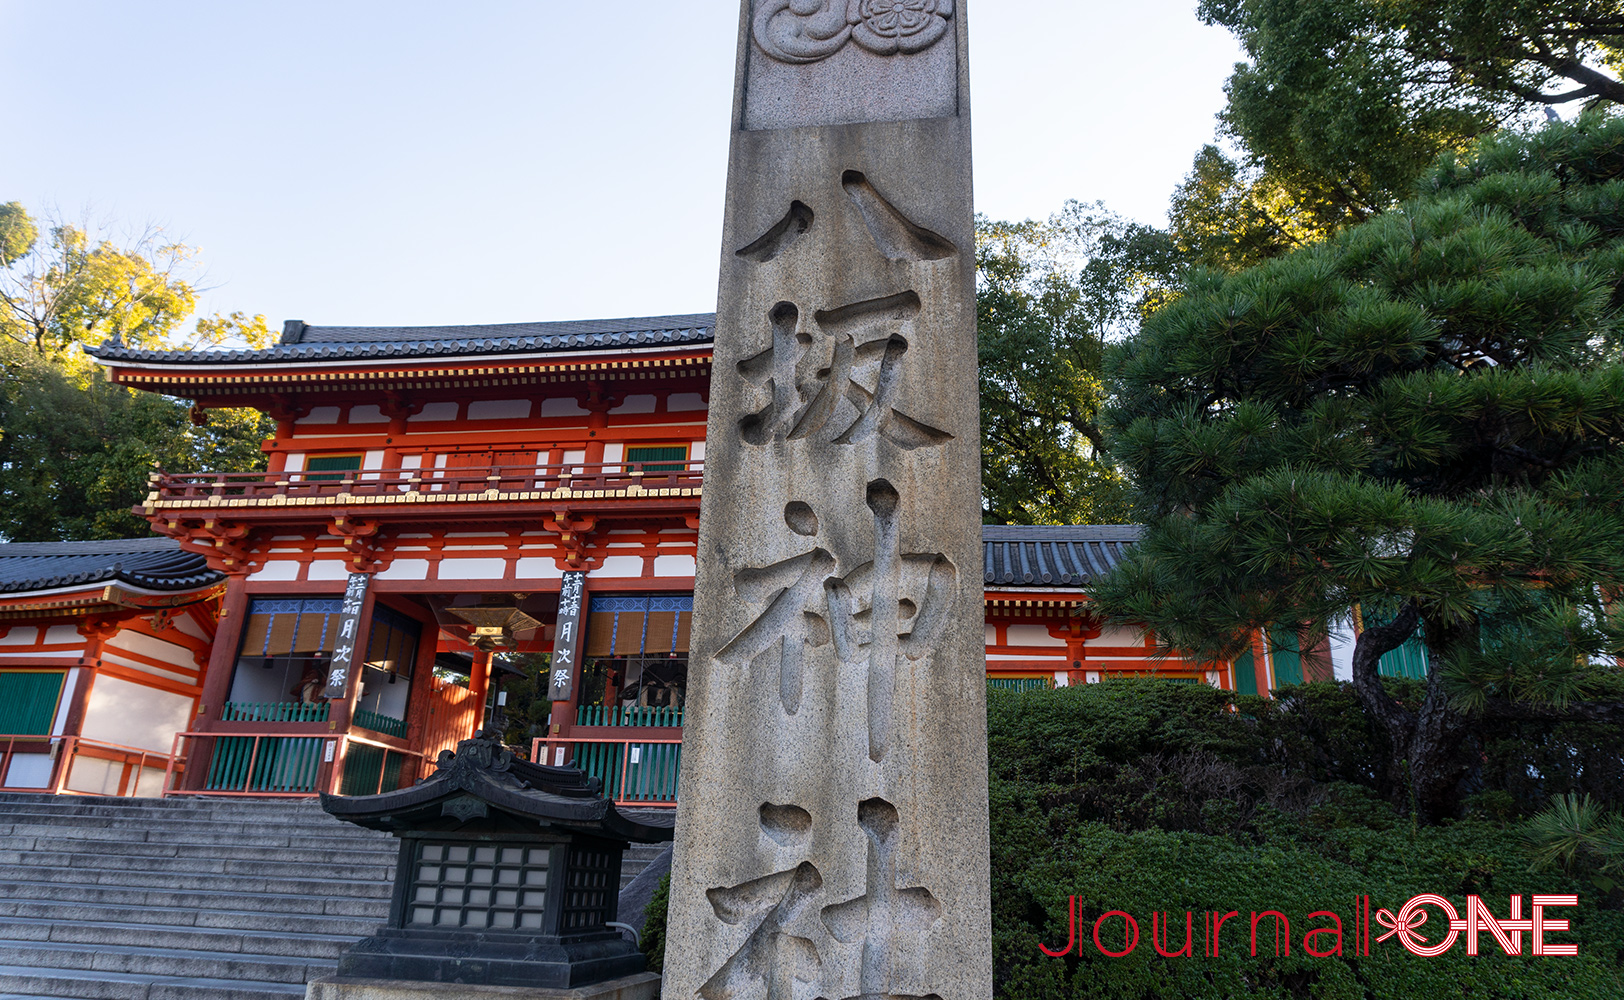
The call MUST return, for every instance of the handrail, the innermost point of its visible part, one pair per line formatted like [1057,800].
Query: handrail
[64,750]
[630,716]
[564,479]
[661,772]
[380,723]
[274,711]
[320,778]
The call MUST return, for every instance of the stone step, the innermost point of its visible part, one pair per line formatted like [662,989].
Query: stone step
[227,884]
[186,899]
[56,984]
[135,961]
[260,921]
[155,829]
[378,854]
[67,805]
[220,805]
[124,895]
[268,868]
[335,838]
[184,798]
[287,944]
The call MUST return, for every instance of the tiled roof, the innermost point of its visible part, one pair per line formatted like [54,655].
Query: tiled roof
[149,563]
[302,342]
[1060,556]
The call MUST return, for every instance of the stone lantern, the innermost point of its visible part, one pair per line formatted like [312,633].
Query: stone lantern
[508,876]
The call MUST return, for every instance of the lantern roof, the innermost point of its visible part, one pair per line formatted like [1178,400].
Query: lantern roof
[485,781]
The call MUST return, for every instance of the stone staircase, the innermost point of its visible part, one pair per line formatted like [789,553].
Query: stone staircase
[187,898]
[637,858]
[181,899]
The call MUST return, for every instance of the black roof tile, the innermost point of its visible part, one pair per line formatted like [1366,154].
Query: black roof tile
[1068,555]
[149,563]
[304,343]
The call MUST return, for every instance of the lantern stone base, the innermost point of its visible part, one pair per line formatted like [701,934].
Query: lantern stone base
[491,958]
[643,986]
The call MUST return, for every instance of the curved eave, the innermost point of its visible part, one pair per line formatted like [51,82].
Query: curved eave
[399,362]
[418,805]
[83,601]
[133,583]
[459,374]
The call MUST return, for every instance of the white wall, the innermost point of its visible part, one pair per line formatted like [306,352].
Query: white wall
[28,770]
[130,715]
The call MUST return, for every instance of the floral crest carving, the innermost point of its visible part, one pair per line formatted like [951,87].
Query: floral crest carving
[806,31]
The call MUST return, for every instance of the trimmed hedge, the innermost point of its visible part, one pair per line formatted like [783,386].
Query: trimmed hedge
[1145,796]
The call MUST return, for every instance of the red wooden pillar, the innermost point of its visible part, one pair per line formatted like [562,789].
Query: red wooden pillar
[421,699]
[479,682]
[1260,664]
[96,632]
[598,405]
[1076,632]
[217,675]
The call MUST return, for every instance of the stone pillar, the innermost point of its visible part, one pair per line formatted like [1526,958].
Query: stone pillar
[832,827]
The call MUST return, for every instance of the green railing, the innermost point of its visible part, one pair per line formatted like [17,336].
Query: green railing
[273,711]
[380,723]
[1020,683]
[369,770]
[634,715]
[633,773]
[264,764]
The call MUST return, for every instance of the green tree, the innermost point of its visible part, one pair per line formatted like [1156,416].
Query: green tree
[527,703]
[1344,104]
[1576,834]
[74,287]
[76,450]
[1051,295]
[1150,797]
[1421,419]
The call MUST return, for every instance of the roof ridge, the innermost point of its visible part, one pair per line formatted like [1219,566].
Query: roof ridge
[305,342]
[98,546]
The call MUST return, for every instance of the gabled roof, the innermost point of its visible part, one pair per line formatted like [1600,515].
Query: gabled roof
[1068,555]
[148,563]
[302,342]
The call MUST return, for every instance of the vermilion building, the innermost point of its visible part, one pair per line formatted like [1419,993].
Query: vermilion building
[103,647]
[430,491]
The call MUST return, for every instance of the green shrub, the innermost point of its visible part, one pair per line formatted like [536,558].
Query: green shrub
[1142,796]
[652,941]
[1146,796]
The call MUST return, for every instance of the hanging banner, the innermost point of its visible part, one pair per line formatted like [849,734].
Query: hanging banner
[349,629]
[567,640]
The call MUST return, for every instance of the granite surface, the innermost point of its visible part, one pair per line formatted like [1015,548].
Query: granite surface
[832,825]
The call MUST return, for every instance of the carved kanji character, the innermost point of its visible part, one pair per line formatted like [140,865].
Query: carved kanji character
[851,399]
[890,922]
[899,627]
[772,955]
[807,606]
[792,621]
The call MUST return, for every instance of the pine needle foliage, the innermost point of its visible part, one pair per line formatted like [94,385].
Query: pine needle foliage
[1421,418]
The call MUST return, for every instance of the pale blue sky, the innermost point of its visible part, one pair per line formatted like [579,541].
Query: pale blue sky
[406,162]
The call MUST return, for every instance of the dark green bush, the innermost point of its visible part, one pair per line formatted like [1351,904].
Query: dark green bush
[652,941]
[1143,795]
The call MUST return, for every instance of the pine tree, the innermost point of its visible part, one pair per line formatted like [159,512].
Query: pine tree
[1420,419]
